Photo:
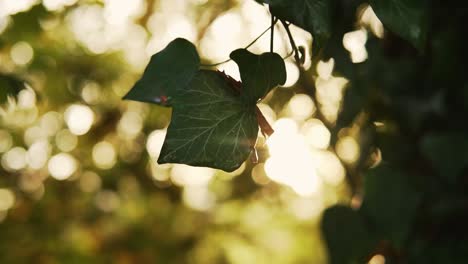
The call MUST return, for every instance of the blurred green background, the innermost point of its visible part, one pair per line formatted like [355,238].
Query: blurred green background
[372,128]
[79,182]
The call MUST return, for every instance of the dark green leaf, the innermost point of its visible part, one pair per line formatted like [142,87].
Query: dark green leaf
[390,203]
[448,152]
[407,18]
[167,72]
[9,86]
[259,73]
[210,126]
[345,234]
[314,16]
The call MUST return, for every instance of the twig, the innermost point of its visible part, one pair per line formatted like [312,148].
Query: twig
[293,43]
[246,47]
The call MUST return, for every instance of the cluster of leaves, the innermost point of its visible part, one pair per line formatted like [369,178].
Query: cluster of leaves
[214,119]
[414,206]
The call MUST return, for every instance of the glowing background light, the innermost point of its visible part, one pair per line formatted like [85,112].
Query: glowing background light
[65,140]
[38,154]
[7,199]
[55,5]
[154,143]
[90,182]
[291,162]
[347,149]
[14,159]
[377,259]
[355,42]
[79,119]
[62,166]
[104,155]
[316,134]
[301,106]
[6,141]
[184,175]
[21,53]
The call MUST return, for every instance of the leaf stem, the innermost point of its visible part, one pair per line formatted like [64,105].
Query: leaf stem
[272,28]
[265,127]
[293,43]
[246,47]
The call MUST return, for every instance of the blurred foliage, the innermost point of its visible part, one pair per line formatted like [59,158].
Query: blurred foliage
[79,182]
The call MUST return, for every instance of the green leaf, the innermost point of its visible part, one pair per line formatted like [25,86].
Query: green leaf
[447,152]
[168,71]
[314,16]
[407,18]
[346,235]
[9,86]
[211,125]
[390,203]
[259,73]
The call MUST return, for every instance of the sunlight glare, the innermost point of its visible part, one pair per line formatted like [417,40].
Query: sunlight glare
[184,175]
[291,162]
[316,134]
[199,198]
[55,5]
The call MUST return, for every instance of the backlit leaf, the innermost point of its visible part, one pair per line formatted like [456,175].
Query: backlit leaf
[259,73]
[168,71]
[211,126]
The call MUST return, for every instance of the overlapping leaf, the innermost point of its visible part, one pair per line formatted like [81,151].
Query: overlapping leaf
[259,73]
[167,72]
[314,16]
[407,18]
[214,121]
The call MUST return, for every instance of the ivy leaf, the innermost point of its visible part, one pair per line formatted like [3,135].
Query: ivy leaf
[407,18]
[314,16]
[259,73]
[390,203]
[9,86]
[168,71]
[211,125]
[346,235]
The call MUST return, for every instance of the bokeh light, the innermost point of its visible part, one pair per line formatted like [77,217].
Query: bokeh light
[62,166]
[79,119]
[104,155]
[22,53]
[7,199]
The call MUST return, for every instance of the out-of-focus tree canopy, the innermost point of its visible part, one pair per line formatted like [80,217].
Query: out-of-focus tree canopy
[371,126]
